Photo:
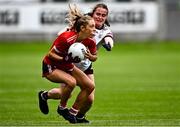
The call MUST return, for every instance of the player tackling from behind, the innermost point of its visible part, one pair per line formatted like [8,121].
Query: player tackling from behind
[103,36]
[58,65]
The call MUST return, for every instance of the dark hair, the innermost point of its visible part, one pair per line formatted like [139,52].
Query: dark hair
[101,5]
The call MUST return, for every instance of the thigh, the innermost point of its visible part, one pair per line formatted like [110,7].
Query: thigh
[82,79]
[59,76]
[91,76]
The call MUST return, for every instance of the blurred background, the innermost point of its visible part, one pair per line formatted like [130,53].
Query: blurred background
[129,19]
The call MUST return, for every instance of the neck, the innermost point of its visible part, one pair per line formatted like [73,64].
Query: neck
[80,37]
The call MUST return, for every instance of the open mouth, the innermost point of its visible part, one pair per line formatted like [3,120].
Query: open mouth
[93,34]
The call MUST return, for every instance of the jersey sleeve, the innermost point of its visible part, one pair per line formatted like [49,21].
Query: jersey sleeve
[61,45]
[109,34]
[92,47]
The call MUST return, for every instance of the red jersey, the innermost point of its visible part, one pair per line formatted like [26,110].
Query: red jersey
[61,46]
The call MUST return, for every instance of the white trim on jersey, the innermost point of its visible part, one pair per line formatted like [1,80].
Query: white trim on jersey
[72,38]
[54,47]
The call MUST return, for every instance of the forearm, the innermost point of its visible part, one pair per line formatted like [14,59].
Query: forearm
[93,58]
[54,56]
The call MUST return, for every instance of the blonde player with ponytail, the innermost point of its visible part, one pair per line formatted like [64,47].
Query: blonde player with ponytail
[58,66]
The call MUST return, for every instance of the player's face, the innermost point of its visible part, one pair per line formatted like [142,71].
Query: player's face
[90,29]
[100,16]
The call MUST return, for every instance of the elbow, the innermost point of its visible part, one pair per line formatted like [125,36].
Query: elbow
[49,55]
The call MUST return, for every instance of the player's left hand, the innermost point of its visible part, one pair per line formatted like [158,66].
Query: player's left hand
[107,46]
[88,54]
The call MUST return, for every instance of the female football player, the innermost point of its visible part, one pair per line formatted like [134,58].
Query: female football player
[58,64]
[104,37]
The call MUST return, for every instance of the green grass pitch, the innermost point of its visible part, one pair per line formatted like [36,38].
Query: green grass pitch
[136,85]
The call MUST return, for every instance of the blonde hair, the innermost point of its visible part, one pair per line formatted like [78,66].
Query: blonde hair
[76,19]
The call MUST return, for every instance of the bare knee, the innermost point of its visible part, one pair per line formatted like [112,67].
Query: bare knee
[91,88]
[55,93]
[71,83]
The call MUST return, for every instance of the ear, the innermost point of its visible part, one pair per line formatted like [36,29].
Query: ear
[83,28]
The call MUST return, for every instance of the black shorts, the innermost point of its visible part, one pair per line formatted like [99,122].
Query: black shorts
[47,68]
[89,70]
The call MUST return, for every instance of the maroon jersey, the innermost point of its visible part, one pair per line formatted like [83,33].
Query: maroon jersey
[61,46]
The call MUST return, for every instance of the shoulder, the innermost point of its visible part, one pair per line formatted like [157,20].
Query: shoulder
[90,40]
[91,44]
[69,36]
[103,31]
[106,29]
